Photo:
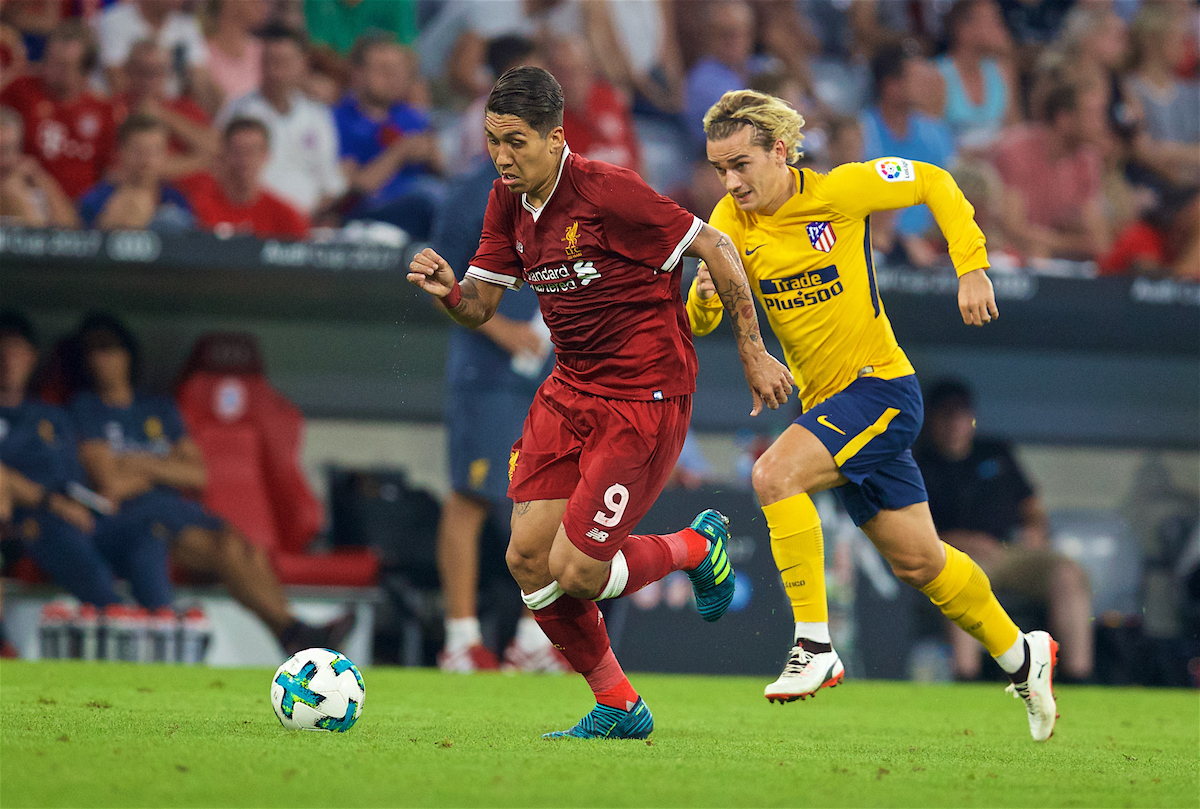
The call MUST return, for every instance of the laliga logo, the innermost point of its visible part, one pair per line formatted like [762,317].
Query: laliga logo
[895,170]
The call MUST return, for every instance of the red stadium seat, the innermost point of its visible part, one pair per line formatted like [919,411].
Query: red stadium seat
[251,437]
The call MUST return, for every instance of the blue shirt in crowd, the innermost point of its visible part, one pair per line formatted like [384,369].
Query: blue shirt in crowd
[364,138]
[36,440]
[927,140]
[174,212]
[151,424]
[473,359]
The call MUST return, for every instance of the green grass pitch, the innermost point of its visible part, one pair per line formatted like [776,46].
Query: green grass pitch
[74,734]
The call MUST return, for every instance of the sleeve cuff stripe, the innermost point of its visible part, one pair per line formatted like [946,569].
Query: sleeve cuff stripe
[506,281]
[684,244]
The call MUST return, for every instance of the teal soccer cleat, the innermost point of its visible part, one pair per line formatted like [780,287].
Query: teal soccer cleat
[603,722]
[713,579]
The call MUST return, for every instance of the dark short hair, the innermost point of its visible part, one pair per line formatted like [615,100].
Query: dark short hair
[508,51]
[949,393]
[531,94]
[15,324]
[73,30]
[1059,99]
[369,42]
[888,63]
[98,328]
[244,124]
[276,32]
[137,123]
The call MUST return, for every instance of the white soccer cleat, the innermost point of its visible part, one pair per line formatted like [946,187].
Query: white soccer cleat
[543,660]
[805,673]
[1037,691]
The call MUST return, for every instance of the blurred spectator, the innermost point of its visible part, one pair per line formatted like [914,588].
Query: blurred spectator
[135,197]
[33,20]
[231,199]
[1162,243]
[176,32]
[596,118]
[234,52]
[1169,106]
[726,62]
[1055,176]
[845,141]
[978,89]
[69,130]
[14,62]
[303,168]
[1034,22]
[454,44]
[37,464]
[503,54]
[136,451]
[29,196]
[389,152]
[641,52]
[192,143]
[893,128]
[983,504]
[337,24]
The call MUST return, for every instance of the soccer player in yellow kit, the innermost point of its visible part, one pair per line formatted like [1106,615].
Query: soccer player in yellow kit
[805,239]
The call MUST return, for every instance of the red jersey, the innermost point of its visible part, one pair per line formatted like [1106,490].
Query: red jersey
[74,140]
[600,253]
[267,217]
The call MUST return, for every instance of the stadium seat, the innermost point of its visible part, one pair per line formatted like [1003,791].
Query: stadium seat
[251,437]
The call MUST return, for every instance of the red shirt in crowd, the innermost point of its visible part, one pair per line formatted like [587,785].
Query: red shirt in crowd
[267,217]
[606,131]
[73,140]
[1054,190]
[602,254]
[183,105]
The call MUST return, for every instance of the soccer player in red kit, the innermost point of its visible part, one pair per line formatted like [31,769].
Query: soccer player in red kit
[600,249]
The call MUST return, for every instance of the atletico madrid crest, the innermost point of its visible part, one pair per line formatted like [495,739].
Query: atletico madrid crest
[821,235]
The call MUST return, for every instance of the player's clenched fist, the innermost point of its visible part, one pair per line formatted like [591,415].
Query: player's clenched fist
[976,298]
[770,381]
[430,272]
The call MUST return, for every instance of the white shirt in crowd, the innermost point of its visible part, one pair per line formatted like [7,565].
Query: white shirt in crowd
[303,167]
[122,25]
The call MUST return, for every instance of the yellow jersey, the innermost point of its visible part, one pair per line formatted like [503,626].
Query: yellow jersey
[810,266]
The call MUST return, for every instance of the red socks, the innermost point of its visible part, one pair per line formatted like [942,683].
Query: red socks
[650,557]
[576,628]
[610,685]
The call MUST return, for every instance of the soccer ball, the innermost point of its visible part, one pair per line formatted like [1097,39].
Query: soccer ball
[317,689]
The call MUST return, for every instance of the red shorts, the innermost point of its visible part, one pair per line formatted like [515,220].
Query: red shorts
[608,458]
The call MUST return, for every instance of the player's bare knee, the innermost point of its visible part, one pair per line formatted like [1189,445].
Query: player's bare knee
[775,479]
[524,567]
[575,580]
[914,569]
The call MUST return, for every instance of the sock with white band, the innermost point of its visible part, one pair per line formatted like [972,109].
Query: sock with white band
[1012,660]
[618,577]
[462,633]
[540,599]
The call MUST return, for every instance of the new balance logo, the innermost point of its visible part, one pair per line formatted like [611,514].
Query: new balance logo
[597,535]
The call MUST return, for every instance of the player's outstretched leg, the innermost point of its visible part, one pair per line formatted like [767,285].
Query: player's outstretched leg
[810,666]
[713,579]
[699,550]
[964,595]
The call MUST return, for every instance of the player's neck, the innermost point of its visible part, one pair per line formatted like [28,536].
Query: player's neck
[786,192]
[537,197]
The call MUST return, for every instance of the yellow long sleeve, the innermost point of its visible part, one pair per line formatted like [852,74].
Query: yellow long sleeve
[704,315]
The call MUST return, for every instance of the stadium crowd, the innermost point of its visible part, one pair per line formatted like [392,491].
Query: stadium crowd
[1072,126]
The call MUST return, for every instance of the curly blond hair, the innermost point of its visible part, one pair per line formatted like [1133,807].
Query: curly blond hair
[773,119]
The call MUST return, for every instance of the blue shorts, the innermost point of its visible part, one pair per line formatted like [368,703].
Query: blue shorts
[162,512]
[482,427]
[868,428]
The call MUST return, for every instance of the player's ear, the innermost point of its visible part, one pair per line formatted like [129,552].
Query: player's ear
[557,138]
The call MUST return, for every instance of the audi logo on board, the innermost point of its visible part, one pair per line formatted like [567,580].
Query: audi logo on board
[133,245]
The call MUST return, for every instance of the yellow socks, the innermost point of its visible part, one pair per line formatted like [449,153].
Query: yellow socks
[799,550]
[964,595]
